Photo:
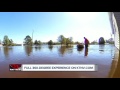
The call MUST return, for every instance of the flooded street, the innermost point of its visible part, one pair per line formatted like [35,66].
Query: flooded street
[102,55]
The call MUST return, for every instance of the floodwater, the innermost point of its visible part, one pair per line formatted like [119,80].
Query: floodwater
[102,55]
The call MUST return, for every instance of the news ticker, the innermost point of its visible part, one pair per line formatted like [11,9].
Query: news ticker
[53,67]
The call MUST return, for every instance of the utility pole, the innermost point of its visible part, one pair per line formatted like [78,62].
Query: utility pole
[32,36]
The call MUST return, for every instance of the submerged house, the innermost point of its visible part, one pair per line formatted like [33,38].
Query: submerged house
[114,18]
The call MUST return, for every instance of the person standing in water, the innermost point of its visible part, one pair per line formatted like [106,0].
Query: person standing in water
[86,46]
[86,52]
[86,42]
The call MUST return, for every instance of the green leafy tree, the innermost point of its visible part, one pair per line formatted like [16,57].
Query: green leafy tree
[67,41]
[28,40]
[50,42]
[64,41]
[6,41]
[36,42]
[61,39]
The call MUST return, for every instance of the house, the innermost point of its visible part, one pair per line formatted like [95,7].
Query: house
[114,18]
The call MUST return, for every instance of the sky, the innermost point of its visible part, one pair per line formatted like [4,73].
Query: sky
[47,26]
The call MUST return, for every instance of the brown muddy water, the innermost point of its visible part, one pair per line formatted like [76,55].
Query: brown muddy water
[102,55]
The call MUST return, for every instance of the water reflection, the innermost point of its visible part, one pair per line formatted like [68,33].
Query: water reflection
[115,66]
[50,47]
[69,49]
[65,50]
[103,62]
[37,48]
[80,50]
[7,50]
[101,48]
[86,52]
[28,50]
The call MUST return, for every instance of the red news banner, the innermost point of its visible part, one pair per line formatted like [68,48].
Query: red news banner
[15,67]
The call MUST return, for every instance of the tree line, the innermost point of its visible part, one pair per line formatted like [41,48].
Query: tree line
[61,40]
[28,41]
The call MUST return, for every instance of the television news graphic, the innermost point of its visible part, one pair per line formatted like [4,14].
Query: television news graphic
[53,67]
[15,67]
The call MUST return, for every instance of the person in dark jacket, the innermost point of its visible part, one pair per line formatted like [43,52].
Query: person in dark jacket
[86,42]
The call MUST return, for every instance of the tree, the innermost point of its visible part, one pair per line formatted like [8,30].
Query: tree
[28,40]
[56,43]
[36,42]
[6,41]
[94,42]
[76,42]
[101,40]
[50,42]
[39,42]
[61,39]
[11,42]
[67,41]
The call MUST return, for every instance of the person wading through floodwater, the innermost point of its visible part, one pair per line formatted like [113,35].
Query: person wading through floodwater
[86,46]
[86,42]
